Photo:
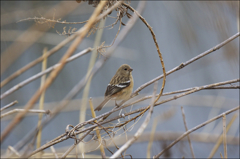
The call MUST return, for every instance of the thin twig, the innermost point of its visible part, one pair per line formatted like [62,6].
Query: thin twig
[16,49]
[186,128]
[83,31]
[75,144]
[182,65]
[54,152]
[220,139]
[141,109]
[36,76]
[56,48]
[45,20]
[9,105]
[162,117]
[140,130]
[14,151]
[175,92]
[103,47]
[22,110]
[195,128]
[224,136]
[81,83]
[189,62]
[100,63]
[188,89]
[195,89]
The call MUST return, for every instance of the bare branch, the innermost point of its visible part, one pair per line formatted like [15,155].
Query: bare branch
[195,128]
[78,87]
[22,110]
[9,105]
[56,48]
[82,32]
[36,76]
[74,145]
[189,62]
[140,130]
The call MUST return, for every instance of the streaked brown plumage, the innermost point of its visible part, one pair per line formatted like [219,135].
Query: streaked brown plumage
[120,86]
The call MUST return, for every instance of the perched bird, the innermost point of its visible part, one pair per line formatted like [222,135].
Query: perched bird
[120,86]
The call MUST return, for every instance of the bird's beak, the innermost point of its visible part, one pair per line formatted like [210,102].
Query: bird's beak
[130,69]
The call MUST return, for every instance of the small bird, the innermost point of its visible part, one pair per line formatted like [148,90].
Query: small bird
[120,86]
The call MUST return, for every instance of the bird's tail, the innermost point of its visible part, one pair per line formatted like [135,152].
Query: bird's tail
[104,102]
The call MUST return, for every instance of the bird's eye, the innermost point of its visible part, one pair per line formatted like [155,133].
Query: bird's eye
[125,69]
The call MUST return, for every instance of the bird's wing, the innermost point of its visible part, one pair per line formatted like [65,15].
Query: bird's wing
[115,88]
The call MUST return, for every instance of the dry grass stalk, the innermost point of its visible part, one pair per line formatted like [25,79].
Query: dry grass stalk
[162,117]
[220,139]
[41,101]
[82,112]
[224,136]
[186,128]
[97,130]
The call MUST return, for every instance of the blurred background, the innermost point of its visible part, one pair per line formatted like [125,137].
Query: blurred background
[183,30]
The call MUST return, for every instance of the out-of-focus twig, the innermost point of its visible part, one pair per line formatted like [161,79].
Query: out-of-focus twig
[54,152]
[22,110]
[162,117]
[41,101]
[81,34]
[36,76]
[220,139]
[195,128]
[97,130]
[46,20]
[16,48]
[82,112]
[186,128]
[224,136]
[79,86]
[140,130]
[9,105]
[14,151]
[53,50]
